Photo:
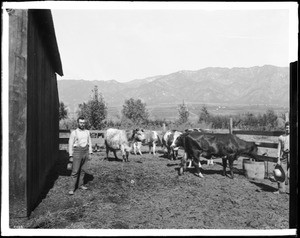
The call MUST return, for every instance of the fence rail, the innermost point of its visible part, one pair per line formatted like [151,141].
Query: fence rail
[262,144]
[258,133]
[65,140]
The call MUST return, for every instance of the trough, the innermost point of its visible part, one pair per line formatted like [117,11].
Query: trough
[254,169]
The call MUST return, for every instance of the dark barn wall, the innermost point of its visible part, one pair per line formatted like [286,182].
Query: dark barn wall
[33,105]
[17,108]
[42,117]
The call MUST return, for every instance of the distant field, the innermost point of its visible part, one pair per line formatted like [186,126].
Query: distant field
[170,111]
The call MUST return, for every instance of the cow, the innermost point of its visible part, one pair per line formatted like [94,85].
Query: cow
[209,161]
[151,139]
[116,139]
[227,146]
[168,140]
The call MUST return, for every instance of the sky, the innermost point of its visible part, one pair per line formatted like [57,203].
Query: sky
[124,41]
[127,44]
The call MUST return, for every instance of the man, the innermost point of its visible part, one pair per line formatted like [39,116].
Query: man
[284,157]
[80,150]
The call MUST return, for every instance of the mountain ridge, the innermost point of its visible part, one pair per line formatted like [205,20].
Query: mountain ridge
[266,84]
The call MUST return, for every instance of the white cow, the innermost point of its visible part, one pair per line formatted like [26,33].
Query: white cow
[151,139]
[116,139]
[168,140]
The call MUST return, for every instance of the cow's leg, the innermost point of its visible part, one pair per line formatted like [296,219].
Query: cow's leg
[115,154]
[190,163]
[126,156]
[231,159]
[107,152]
[139,149]
[149,148]
[169,152]
[196,163]
[183,164]
[107,149]
[224,162]
[123,153]
[175,154]
[153,145]
[134,148]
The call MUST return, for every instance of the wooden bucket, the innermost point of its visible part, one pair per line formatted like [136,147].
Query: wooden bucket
[254,169]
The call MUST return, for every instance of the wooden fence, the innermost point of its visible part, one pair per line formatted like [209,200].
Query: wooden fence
[262,144]
[96,136]
[99,133]
[63,140]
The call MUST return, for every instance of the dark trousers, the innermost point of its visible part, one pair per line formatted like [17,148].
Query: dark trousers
[80,158]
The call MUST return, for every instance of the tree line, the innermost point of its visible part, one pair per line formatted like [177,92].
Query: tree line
[135,114]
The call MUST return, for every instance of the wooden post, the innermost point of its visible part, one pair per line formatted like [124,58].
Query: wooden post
[287,117]
[230,126]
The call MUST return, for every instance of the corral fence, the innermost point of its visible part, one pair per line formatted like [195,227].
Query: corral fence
[97,137]
[269,145]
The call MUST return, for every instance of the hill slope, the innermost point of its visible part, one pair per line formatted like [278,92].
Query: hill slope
[267,85]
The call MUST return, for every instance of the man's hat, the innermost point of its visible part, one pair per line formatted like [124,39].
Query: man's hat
[279,174]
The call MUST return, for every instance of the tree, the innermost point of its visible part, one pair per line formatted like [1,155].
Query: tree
[183,113]
[204,115]
[63,111]
[95,110]
[271,119]
[135,110]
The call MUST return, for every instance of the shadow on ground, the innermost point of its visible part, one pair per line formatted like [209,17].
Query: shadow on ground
[264,187]
[59,169]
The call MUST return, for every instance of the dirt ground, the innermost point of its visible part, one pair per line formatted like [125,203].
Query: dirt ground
[148,193]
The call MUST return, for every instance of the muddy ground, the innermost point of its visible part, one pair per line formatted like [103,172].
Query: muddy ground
[148,193]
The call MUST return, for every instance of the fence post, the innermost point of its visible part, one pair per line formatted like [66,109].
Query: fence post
[286,117]
[230,126]
[164,127]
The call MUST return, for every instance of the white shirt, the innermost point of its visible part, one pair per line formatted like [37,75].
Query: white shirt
[80,138]
[284,144]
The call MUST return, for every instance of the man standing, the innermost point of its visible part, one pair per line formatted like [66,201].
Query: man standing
[80,150]
[284,157]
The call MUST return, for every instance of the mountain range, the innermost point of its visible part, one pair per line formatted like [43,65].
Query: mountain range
[265,85]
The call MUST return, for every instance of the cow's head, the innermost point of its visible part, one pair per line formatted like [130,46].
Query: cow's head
[176,140]
[138,135]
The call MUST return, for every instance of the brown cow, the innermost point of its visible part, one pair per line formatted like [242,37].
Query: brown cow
[227,146]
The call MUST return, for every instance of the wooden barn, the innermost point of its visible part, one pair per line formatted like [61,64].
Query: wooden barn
[34,61]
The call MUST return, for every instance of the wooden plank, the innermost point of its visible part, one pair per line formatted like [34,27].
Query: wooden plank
[258,133]
[63,140]
[267,158]
[267,145]
[64,131]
